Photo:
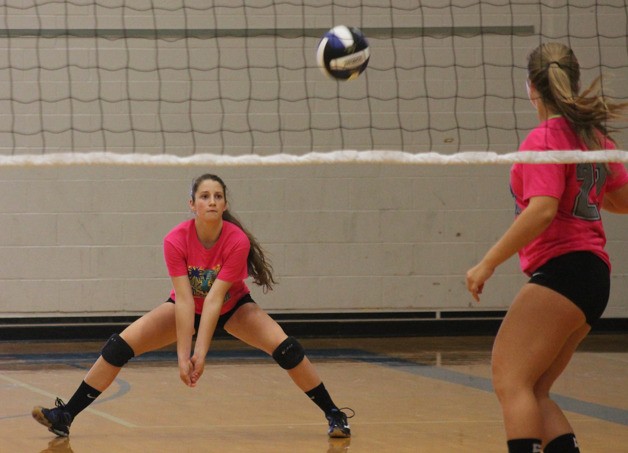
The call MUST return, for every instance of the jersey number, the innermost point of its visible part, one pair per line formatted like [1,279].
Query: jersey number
[592,176]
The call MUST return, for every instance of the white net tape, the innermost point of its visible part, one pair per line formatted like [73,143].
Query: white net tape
[335,157]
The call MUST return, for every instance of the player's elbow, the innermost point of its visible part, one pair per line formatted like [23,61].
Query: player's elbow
[546,216]
[617,201]
[544,210]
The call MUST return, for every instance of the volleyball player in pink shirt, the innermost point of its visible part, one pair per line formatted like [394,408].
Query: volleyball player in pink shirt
[208,258]
[559,236]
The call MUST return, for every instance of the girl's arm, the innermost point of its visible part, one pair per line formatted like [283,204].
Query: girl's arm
[617,200]
[184,315]
[209,318]
[534,219]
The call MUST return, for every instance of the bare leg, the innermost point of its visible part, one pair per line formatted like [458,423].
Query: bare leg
[253,326]
[554,421]
[538,327]
[152,331]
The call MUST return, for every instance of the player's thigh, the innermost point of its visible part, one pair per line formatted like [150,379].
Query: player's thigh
[252,325]
[545,382]
[154,330]
[534,331]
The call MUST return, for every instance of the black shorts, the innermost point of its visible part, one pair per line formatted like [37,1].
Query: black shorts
[582,277]
[222,319]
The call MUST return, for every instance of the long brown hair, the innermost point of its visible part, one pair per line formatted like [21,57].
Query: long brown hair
[554,71]
[258,265]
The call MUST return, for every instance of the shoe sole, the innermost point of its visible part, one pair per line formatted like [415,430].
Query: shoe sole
[337,433]
[39,417]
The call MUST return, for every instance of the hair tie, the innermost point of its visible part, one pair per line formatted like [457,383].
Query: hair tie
[556,63]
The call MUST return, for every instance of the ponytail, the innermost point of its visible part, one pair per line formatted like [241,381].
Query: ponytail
[258,265]
[555,73]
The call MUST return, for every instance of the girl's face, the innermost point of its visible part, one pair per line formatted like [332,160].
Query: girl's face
[209,201]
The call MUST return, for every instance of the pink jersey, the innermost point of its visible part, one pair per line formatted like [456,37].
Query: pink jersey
[579,188]
[225,260]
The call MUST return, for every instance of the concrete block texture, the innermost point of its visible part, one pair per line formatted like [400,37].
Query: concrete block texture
[369,237]
[241,78]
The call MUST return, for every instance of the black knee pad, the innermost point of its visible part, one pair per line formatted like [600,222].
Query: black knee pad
[116,351]
[289,353]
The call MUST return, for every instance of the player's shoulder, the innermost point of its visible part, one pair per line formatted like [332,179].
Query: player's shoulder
[536,140]
[552,134]
[180,231]
[232,232]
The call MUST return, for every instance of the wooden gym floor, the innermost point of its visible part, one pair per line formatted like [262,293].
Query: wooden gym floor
[409,394]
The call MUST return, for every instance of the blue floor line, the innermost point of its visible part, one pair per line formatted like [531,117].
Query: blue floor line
[599,411]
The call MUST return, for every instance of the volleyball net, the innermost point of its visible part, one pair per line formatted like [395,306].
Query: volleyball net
[164,84]
[110,81]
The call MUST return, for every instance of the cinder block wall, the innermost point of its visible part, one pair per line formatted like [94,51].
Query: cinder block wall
[86,240]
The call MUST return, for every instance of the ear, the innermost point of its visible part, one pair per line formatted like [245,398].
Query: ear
[530,89]
[533,95]
[191,204]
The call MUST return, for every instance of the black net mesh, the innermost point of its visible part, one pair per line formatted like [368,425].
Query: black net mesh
[240,77]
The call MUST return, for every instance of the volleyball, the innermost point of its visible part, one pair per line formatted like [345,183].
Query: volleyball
[343,53]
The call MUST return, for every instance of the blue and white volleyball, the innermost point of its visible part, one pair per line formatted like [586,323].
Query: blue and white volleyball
[343,53]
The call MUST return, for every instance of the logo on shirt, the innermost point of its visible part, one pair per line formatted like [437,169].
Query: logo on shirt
[201,280]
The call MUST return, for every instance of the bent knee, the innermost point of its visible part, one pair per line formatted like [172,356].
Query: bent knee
[542,389]
[117,351]
[289,354]
[508,384]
